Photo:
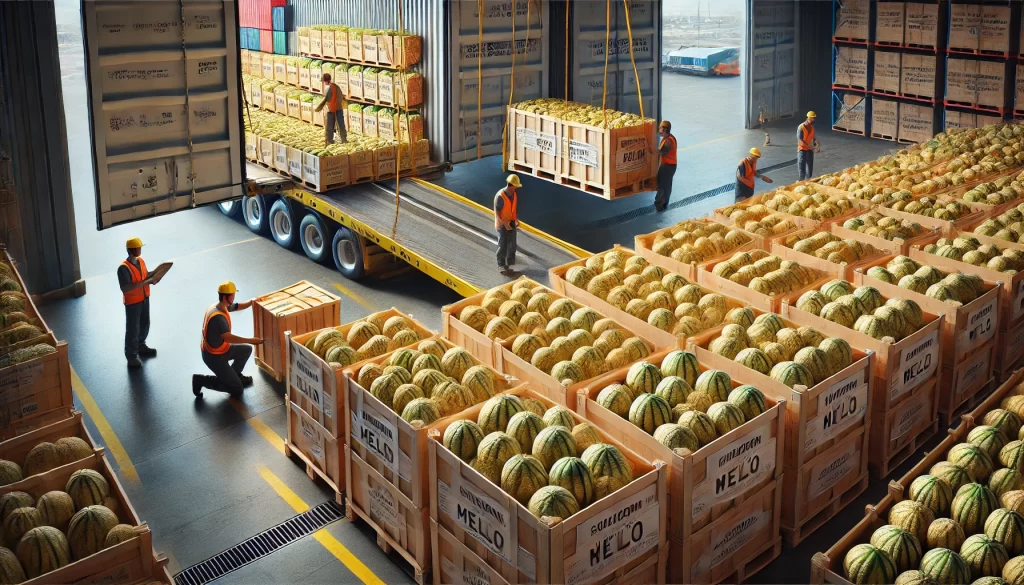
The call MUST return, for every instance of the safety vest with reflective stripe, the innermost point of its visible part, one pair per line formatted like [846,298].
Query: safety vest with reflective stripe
[746,177]
[139,274]
[670,157]
[508,211]
[334,104]
[805,137]
[224,346]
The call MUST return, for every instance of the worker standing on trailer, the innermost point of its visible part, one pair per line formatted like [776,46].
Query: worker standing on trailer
[667,170]
[806,146]
[335,116]
[746,173]
[506,222]
[133,277]
[224,352]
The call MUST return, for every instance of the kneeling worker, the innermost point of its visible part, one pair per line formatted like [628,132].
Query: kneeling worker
[224,352]
[745,174]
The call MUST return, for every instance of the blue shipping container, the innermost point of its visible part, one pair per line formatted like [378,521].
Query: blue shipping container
[280,43]
[243,38]
[254,38]
[277,16]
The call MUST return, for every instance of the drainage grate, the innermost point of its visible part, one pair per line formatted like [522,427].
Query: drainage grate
[261,545]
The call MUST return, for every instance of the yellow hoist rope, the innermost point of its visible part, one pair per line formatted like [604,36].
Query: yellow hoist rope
[512,89]
[636,74]
[402,91]
[566,55]
[607,50]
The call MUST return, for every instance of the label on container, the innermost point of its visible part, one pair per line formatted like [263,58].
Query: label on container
[533,140]
[376,434]
[306,375]
[827,474]
[910,417]
[280,71]
[384,510]
[316,440]
[734,469]
[980,326]
[839,408]
[972,374]
[20,376]
[479,515]
[727,540]
[474,575]
[917,363]
[583,153]
[630,154]
[613,538]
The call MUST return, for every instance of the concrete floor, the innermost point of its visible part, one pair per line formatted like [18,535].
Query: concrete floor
[201,472]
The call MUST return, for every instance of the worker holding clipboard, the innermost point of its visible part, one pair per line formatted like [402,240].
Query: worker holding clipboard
[135,281]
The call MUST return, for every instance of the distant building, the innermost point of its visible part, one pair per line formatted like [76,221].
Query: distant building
[703,60]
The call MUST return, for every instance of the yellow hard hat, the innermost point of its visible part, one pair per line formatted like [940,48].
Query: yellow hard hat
[133,243]
[513,180]
[754,151]
[227,288]
[811,114]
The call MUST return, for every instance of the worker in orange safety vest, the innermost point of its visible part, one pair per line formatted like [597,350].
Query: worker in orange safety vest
[746,172]
[134,280]
[224,352]
[806,146]
[667,170]
[335,117]
[506,222]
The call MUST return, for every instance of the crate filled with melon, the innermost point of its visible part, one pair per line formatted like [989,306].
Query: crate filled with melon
[682,247]
[70,523]
[671,407]
[970,309]
[881,229]
[826,251]
[826,384]
[944,214]
[802,201]
[646,298]
[758,278]
[528,489]
[997,193]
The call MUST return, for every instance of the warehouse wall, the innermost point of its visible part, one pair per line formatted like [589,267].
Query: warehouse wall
[814,90]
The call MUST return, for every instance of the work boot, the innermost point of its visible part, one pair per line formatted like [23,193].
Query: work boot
[197,385]
[146,351]
[134,362]
[246,380]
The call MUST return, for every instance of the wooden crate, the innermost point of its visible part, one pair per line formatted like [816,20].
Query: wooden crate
[36,386]
[979,29]
[895,246]
[38,421]
[850,68]
[697,499]
[30,306]
[17,448]
[643,244]
[920,77]
[475,342]
[609,163]
[946,228]
[922,25]
[734,547]
[760,301]
[886,78]
[885,118]
[890,19]
[978,84]
[842,270]
[917,123]
[130,562]
[903,429]
[1010,349]
[535,142]
[311,443]
[966,383]
[529,549]
[852,21]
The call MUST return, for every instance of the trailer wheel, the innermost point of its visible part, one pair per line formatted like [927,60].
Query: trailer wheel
[314,237]
[348,254]
[254,211]
[229,208]
[282,223]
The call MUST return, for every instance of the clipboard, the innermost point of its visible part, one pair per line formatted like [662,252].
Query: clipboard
[160,271]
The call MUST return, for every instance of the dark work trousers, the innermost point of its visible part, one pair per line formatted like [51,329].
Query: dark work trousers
[665,174]
[805,164]
[743,191]
[136,328]
[227,367]
[334,120]
[506,247]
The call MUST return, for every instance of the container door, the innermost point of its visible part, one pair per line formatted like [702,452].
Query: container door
[164,105]
[770,70]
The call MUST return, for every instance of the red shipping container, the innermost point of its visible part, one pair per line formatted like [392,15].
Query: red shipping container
[263,15]
[246,15]
[267,41]
[279,2]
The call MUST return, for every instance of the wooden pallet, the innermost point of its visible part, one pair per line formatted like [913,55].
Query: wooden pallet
[885,467]
[976,106]
[794,536]
[881,136]
[921,98]
[846,131]
[300,442]
[978,52]
[534,171]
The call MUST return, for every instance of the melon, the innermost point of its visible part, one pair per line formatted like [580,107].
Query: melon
[424,410]
[497,411]
[374,347]
[567,373]
[742,316]
[838,354]
[427,380]
[585,435]
[18,522]
[973,459]
[727,347]
[682,364]
[1013,571]
[524,427]
[87,487]
[912,517]
[573,474]
[984,556]
[971,507]
[455,362]
[649,411]
[78,447]
[749,400]
[1007,422]
[561,308]
[554,502]
[522,476]
[701,426]
[559,416]
[404,358]
[945,533]
[616,398]
[88,530]
[673,390]
[462,438]
[643,377]
[553,443]
[42,550]
[1007,528]
[119,534]
[676,436]
[605,461]
[952,474]
[432,347]
[1005,480]
[791,374]
[10,472]
[368,373]
[1012,455]
[902,547]
[945,566]
[405,394]
[755,359]
[716,383]
[56,509]
[425,361]
[450,398]
[815,361]
[932,492]
[10,568]
[494,450]
[383,388]
[866,564]
[13,500]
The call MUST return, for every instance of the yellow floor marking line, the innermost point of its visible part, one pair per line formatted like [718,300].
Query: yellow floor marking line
[355,297]
[110,439]
[259,426]
[361,571]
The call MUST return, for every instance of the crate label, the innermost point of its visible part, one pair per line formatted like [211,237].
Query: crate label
[455,575]
[384,510]
[1018,301]
[306,375]
[727,540]
[734,469]
[917,364]
[976,371]
[583,153]
[909,418]
[280,71]
[316,441]
[615,537]
[630,154]
[839,408]
[295,167]
[980,326]
[827,474]
[482,517]
[377,434]
[533,140]
[20,375]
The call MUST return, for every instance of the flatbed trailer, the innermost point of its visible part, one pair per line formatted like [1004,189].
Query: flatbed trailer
[447,237]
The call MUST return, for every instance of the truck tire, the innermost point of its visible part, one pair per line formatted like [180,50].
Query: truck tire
[229,208]
[314,237]
[282,223]
[347,249]
[254,212]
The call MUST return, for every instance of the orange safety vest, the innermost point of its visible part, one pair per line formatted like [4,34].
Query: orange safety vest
[805,137]
[134,297]
[508,211]
[224,346]
[670,158]
[749,168]
[335,102]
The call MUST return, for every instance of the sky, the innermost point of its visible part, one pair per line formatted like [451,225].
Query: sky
[718,7]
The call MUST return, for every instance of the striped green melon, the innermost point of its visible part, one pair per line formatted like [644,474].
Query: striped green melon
[912,517]
[989,581]
[945,533]
[616,398]
[880,273]
[971,507]
[902,547]
[770,320]
[12,501]
[838,313]
[838,354]
[87,487]
[815,361]
[342,354]
[433,347]
[559,416]
[554,502]
[727,347]
[567,372]
[455,362]
[1014,403]
[394,324]
[78,447]
[427,380]
[451,398]
[1007,422]
[584,318]
[535,406]
[716,383]
[811,302]
[585,435]
[868,565]
[973,459]
[404,358]
[911,311]
[524,427]
[872,327]
[42,550]
[553,443]
[749,400]
[682,364]
[933,492]
[673,390]
[368,373]
[1005,480]
[676,436]
[894,321]
[383,388]
[532,322]
[811,336]
[834,289]
[462,438]
[558,327]
[562,308]
[401,374]
[662,319]
[1013,571]
[500,328]
[425,361]
[573,474]
[525,345]
[755,359]
[374,347]
[649,411]
[945,566]
[512,310]
[56,509]
[953,474]
[18,522]
[1012,455]
[1007,528]
[869,296]
[42,458]
[605,461]
[522,476]
[405,394]
[88,530]
[741,316]
[791,374]
[984,556]
[701,426]
[494,450]
[403,338]
[635,348]
[497,411]
[735,332]
[700,401]
[421,409]
[643,377]
[759,333]
[10,472]
[590,360]
[790,340]
[725,416]
[10,568]
[914,577]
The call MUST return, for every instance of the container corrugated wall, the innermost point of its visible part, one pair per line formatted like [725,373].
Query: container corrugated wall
[425,18]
